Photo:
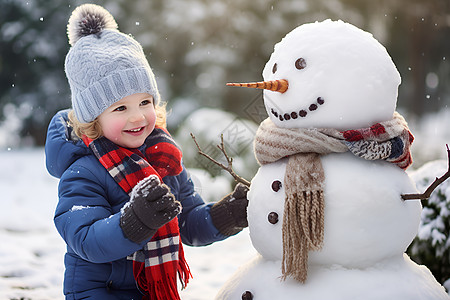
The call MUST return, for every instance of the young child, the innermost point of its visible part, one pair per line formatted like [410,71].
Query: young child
[125,200]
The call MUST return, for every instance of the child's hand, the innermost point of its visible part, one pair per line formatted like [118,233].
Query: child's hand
[229,215]
[151,206]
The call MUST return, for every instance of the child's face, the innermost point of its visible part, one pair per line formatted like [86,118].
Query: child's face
[129,121]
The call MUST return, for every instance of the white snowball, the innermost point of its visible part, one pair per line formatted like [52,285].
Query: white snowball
[266,237]
[345,65]
[365,219]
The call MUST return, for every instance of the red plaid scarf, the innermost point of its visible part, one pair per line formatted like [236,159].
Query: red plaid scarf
[156,266]
[390,141]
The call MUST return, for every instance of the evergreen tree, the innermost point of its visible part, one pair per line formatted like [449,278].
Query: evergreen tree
[431,247]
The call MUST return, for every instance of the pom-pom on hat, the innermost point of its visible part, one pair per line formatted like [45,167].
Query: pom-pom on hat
[103,65]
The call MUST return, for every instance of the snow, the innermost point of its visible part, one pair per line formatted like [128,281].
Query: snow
[382,225]
[399,278]
[31,251]
[210,188]
[431,134]
[78,207]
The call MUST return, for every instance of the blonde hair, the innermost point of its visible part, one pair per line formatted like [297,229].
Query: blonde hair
[93,130]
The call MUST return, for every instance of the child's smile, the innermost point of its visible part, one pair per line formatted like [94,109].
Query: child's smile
[135,132]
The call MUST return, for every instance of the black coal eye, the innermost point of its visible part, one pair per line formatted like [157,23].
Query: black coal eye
[276,185]
[274,68]
[300,63]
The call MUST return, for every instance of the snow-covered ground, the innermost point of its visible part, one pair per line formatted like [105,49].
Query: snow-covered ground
[31,251]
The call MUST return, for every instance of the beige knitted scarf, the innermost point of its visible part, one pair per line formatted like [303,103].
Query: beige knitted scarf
[303,221]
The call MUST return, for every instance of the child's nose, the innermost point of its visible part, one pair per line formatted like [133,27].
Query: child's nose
[136,117]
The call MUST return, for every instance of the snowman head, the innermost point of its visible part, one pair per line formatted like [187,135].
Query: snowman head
[329,74]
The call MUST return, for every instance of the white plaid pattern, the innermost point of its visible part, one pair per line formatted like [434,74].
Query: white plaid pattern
[164,246]
[116,170]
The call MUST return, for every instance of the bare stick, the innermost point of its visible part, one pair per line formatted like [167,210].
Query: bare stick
[430,189]
[228,168]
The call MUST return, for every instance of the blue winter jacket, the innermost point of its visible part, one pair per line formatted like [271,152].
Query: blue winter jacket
[88,216]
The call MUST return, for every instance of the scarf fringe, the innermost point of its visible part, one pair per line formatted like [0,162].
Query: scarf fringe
[165,288]
[303,231]
[184,272]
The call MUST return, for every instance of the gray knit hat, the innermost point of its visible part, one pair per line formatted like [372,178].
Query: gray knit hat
[103,65]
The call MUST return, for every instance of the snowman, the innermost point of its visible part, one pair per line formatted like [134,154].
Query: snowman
[325,209]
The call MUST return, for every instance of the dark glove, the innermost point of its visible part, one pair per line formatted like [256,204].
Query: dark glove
[151,206]
[229,215]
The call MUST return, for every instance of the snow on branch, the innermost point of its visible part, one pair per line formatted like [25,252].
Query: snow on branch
[229,167]
[434,185]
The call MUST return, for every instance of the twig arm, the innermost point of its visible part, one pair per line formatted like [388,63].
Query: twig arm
[229,167]
[433,186]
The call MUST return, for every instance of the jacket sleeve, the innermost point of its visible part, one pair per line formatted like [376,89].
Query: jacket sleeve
[196,227]
[86,220]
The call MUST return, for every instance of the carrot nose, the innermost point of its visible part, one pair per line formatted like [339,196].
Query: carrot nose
[280,85]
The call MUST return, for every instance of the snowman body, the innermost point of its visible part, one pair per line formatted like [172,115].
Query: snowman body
[367,229]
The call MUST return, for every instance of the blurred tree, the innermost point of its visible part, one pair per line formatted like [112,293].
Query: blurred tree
[420,45]
[196,46]
[32,47]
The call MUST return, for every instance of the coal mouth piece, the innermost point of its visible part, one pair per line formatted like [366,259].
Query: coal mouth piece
[298,114]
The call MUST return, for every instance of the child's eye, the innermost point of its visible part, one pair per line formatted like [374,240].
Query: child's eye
[146,102]
[120,108]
